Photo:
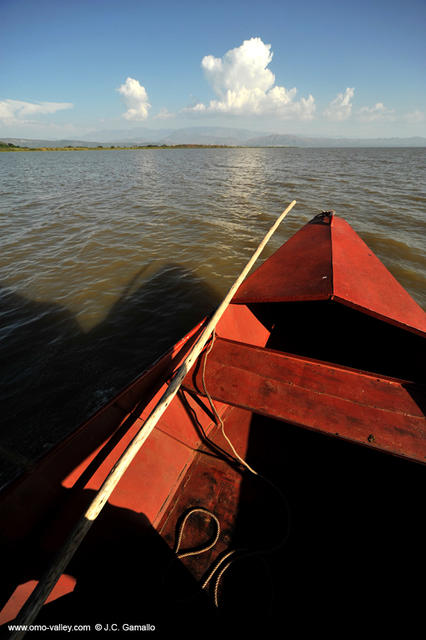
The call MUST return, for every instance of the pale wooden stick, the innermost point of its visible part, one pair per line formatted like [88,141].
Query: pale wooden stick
[48,581]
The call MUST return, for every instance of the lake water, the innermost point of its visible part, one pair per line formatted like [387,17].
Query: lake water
[108,257]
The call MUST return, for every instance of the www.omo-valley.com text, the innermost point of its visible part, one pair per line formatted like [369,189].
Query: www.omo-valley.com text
[81,627]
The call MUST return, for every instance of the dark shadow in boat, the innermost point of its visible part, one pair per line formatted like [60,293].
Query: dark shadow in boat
[124,572]
[418,394]
[54,376]
[330,331]
[356,536]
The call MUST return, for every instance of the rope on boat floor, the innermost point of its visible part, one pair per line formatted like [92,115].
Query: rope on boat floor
[223,563]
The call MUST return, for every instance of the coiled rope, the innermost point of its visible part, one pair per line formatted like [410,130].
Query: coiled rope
[224,562]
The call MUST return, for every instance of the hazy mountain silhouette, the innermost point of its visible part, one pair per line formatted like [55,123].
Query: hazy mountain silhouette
[217,135]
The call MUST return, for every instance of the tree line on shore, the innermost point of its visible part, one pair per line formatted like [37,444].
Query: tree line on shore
[8,146]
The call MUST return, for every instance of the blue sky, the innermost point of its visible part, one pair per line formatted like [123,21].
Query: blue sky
[68,68]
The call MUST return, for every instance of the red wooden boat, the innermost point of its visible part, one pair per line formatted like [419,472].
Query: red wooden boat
[316,372]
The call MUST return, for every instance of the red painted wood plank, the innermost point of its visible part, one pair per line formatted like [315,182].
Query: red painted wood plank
[239,323]
[361,281]
[299,270]
[375,411]
[159,465]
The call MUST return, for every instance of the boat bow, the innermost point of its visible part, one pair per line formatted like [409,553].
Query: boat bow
[327,260]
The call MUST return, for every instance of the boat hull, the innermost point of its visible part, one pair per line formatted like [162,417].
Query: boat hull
[336,426]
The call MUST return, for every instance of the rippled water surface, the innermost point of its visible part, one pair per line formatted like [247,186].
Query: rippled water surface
[107,257]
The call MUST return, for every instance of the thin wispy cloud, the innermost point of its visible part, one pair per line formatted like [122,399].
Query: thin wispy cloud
[136,100]
[164,114]
[19,111]
[341,107]
[377,112]
[414,117]
[245,86]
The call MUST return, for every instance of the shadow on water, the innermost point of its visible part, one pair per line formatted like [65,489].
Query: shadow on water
[54,375]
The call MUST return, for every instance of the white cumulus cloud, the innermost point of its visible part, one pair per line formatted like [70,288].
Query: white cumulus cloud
[14,111]
[377,112]
[245,86]
[136,100]
[341,107]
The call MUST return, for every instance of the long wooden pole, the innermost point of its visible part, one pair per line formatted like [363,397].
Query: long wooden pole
[47,582]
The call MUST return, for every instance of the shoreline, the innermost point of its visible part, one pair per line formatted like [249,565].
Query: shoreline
[5,148]
[148,147]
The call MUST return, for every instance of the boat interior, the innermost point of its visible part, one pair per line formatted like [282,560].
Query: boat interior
[328,530]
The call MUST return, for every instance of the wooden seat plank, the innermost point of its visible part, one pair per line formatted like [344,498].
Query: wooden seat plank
[366,408]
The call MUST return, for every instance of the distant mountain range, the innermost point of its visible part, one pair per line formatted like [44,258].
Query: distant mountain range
[215,135]
[278,140]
